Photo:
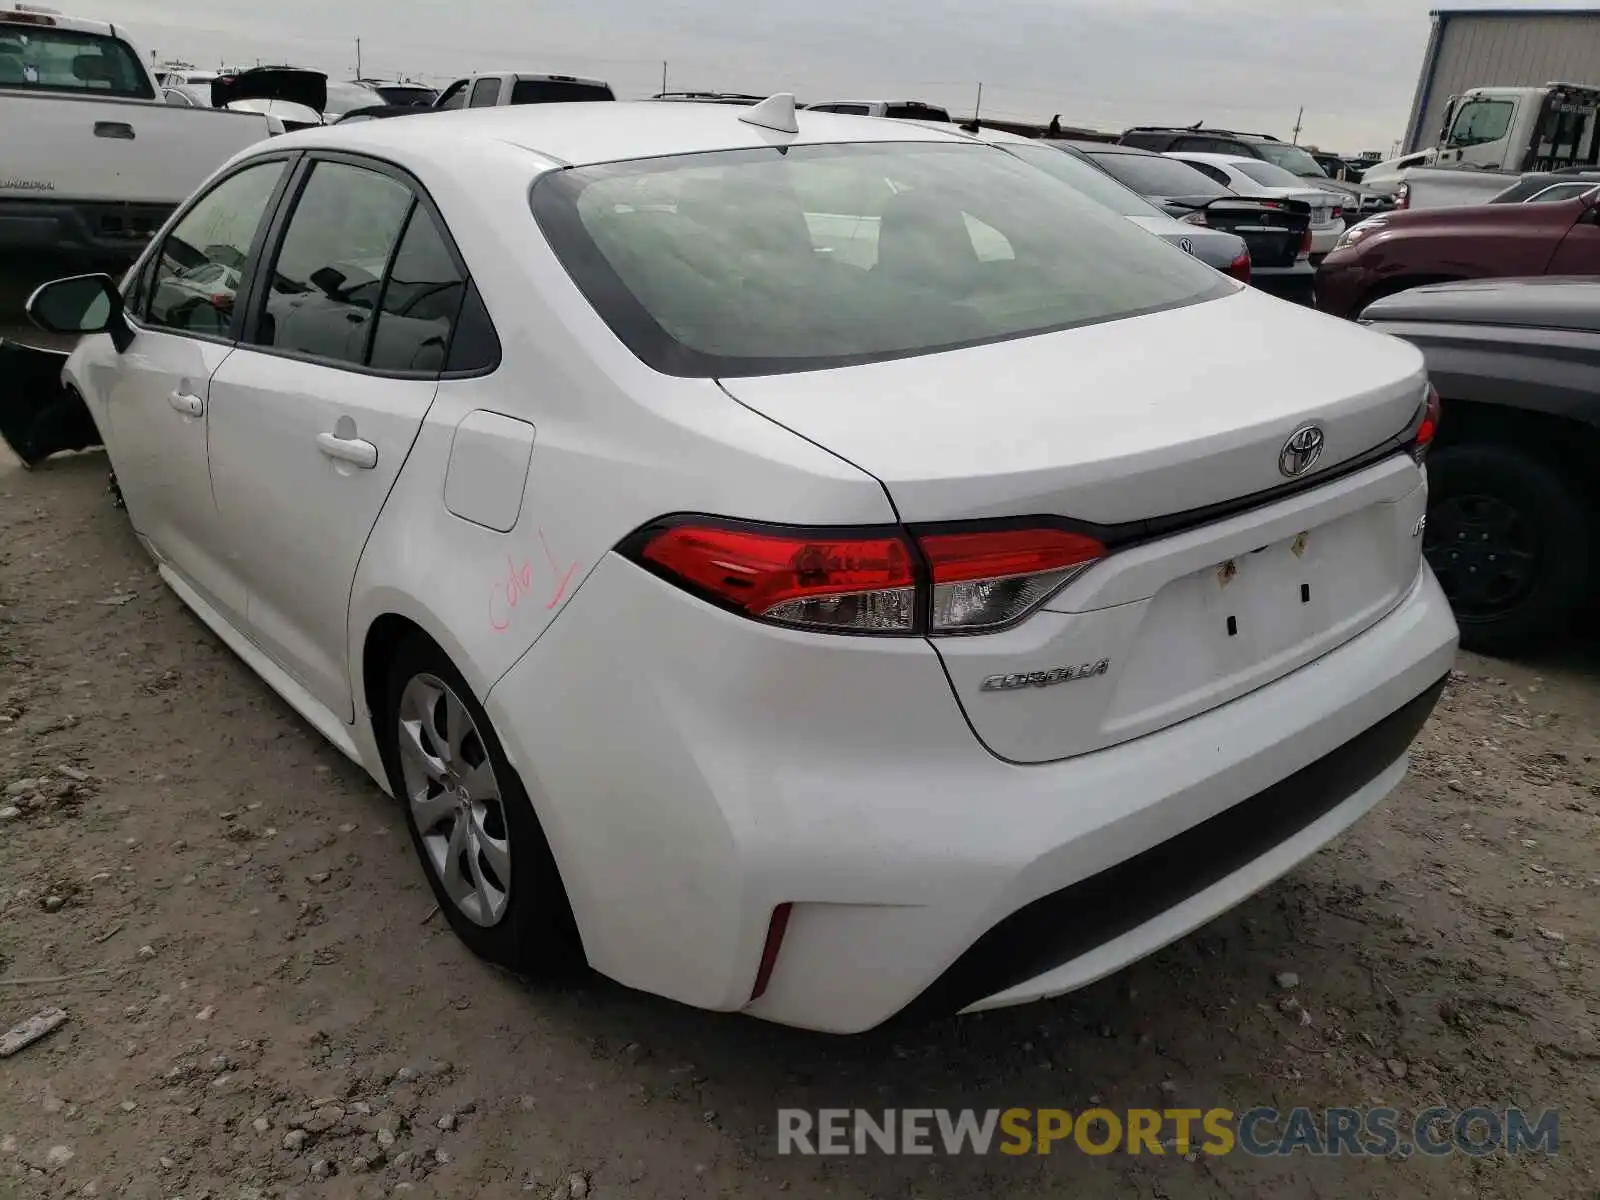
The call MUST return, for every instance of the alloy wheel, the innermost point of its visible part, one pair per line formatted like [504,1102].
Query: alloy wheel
[455,799]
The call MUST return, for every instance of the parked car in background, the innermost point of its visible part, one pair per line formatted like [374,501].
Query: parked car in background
[1361,201]
[1256,177]
[1544,187]
[379,112]
[296,96]
[1514,476]
[92,158]
[1403,250]
[402,93]
[1387,177]
[906,110]
[830,525]
[347,97]
[1216,248]
[512,87]
[1278,232]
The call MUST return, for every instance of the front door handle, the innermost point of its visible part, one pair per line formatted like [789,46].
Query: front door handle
[119,130]
[349,449]
[186,403]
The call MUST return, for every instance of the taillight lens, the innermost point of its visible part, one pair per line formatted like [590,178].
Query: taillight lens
[1194,218]
[1428,427]
[985,580]
[873,581]
[862,585]
[1239,268]
[1305,241]
[1402,196]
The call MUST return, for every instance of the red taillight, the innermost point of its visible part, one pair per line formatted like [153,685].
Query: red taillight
[1305,241]
[1402,196]
[1239,268]
[861,584]
[1428,428]
[882,581]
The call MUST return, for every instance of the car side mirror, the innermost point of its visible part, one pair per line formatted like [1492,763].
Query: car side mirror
[81,304]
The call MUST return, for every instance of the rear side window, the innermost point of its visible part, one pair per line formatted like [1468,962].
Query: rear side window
[325,281]
[197,272]
[421,299]
[484,93]
[916,112]
[455,96]
[557,91]
[63,60]
[756,261]
[1214,173]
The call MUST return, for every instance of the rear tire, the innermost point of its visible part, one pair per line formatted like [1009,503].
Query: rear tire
[1511,539]
[472,825]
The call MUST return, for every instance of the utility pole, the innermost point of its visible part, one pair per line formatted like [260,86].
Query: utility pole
[1301,116]
[663,77]
[359,75]
[977,109]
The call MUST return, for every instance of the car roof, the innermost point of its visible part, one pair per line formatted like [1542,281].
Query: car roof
[1111,148]
[48,18]
[579,134]
[1221,160]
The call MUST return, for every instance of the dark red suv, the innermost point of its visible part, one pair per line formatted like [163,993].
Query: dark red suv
[1396,251]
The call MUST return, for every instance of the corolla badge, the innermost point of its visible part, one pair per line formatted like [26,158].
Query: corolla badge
[1044,679]
[1302,451]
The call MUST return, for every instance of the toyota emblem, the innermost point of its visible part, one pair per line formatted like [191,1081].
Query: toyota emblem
[1302,451]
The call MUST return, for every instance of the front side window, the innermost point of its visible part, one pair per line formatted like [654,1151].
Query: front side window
[324,285]
[1481,121]
[1561,191]
[64,60]
[484,93]
[200,266]
[455,96]
[753,262]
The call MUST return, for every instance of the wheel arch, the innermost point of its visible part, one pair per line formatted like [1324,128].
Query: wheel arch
[1564,442]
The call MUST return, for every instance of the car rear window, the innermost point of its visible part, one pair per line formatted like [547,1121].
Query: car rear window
[557,91]
[755,262]
[1153,175]
[64,60]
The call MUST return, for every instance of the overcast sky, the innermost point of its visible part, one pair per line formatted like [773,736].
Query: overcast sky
[1105,64]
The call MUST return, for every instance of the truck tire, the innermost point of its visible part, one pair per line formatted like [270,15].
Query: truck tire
[1511,539]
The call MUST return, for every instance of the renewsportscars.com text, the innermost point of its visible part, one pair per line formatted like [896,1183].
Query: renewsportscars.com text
[1259,1132]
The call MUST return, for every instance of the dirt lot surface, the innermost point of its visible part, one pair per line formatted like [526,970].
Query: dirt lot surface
[260,1005]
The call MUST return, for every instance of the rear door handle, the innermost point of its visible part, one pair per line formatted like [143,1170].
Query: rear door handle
[351,450]
[120,130]
[189,405]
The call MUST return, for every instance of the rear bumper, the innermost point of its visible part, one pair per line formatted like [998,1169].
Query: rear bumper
[694,770]
[99,230]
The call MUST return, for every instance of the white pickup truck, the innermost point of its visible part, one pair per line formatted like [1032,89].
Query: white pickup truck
[488,89]
[92,160]
[1491,136]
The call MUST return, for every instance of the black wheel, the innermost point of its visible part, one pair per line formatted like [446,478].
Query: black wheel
[1511,540]
[473,826]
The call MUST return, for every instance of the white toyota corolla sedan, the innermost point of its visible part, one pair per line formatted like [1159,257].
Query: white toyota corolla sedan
[807,565]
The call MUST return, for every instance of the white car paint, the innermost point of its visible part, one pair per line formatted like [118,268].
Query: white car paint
[694,769]
[1325,227]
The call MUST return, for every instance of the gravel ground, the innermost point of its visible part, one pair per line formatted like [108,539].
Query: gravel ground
[260,1004]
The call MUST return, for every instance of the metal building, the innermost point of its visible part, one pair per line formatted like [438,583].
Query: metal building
[1500,47]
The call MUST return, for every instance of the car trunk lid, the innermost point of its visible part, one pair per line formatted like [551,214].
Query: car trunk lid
[1162,435]
[1275,230]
